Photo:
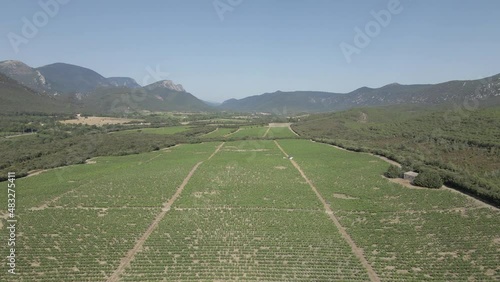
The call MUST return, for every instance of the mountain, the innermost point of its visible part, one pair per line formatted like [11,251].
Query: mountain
[89,91]
[85,90]
[159,96]
[165,84]
[280,102]
[212,104]
[460,92]
[113,100]
[167,96]
[25,75]
[16,97]
[66,78]
[123,82]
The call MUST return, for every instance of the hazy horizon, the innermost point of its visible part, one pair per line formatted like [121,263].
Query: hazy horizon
[218,50]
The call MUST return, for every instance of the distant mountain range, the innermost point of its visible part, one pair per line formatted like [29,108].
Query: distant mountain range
[392,94]
[78,89]
[69,88]
[15,97]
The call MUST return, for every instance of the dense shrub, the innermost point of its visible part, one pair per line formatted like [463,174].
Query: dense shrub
[393,172]
[429,179]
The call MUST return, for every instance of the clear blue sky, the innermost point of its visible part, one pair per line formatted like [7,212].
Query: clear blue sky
[262,45]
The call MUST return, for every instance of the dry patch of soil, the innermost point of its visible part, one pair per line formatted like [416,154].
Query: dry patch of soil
[363,118]
[168,148]
[200,194]
[267,131]
[279,124]
[3,215]
[249,150]
[475,201]
[47,203]
[490,272]
[229,134]
[35,172]
[407,183]
[344,196]
[98,121]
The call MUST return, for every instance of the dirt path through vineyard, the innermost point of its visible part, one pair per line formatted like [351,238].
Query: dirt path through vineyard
[355,249]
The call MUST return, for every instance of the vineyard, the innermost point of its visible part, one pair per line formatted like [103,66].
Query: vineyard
[280,132]
[246,132]
[246,210]
[406,234]
[220,132]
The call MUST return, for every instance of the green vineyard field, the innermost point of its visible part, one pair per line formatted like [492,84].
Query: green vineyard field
[245,210]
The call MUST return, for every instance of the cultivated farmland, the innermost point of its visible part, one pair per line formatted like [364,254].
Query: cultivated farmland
[280,132]
[244,211]
[406,234]
[246,132]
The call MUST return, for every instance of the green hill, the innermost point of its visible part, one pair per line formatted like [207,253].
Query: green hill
[123,100]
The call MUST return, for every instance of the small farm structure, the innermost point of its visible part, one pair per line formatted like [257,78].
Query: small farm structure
[410,175]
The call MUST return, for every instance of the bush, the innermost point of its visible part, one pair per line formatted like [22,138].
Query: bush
[393,172]
[429,179]
[407,165]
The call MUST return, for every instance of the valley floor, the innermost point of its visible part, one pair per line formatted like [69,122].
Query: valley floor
[286,210]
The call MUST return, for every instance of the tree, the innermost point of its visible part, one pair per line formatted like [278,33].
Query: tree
[393,172]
